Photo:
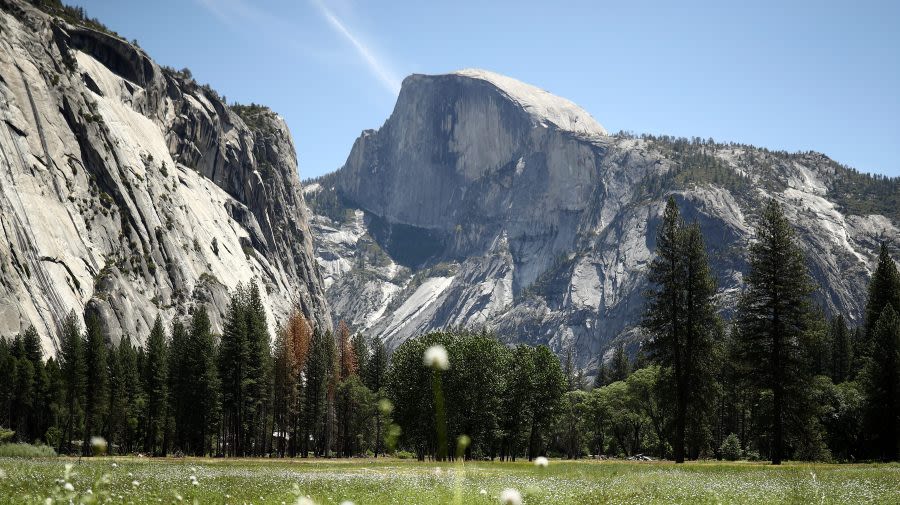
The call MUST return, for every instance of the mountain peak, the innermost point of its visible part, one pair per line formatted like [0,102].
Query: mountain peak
[544,106]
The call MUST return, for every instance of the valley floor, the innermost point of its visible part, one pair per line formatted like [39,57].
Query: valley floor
[365,482]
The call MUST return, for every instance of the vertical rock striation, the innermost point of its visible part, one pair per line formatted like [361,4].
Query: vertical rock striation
[129,191]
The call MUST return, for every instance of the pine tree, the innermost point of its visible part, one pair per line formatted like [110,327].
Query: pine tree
[28,387]
[569,371]
[202,372]
[96,384]
[260,373]
[23,394]
[375,371]
[884,289]
[155,384]
[7,383]
[602,378]
[680,317]
[620,365]
[284,390]
[133,398]
[773,316]
[181,383]
[301,335]
[700,326]
[114,426]
[319,373]
[841,350]
[377,366]
[882,384]
[73,371]
[233,363]
[360,354]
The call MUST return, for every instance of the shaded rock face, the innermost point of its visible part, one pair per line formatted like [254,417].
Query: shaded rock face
[478,205]
[128,191]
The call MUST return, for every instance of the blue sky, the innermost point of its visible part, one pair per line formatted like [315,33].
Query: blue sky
[820,75]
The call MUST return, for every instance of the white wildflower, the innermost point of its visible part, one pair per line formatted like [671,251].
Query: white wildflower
[135,483]
[482,492]
[115,465]
[305,500]
[541,461]
[510,496]
[69,487]
[436,357]
[2,473]
[99,445]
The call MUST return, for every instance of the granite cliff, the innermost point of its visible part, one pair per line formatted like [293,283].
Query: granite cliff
[130,191]
[483,201]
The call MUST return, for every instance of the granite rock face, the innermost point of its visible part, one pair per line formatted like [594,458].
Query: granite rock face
[129,191]
[483,201]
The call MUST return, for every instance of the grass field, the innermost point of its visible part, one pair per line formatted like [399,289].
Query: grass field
[364,482]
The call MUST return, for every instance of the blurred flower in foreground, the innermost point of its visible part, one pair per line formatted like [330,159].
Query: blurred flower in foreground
[541,461]
[510,496]
[436,357]
[99,445]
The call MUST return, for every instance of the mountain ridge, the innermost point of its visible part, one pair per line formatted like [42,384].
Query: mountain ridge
[543,234]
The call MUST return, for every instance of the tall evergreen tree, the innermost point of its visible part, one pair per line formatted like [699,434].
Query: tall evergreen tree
[7,383]
[205,393]
[155,384]
[73,371]
[773,316]
[319,373]
[882,384]
[841,350]
[24,395]
[97,381]
[602,378]
[884,289]
[133,398]
[680,318]
[259,375]
[114,424]
[700,325]
[569,371]
[181,383]
[235,351]
[38,417]
[374,375]
[360,354]
[620,366]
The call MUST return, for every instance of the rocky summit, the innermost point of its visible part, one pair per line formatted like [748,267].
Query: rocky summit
[486,202]
[129,191]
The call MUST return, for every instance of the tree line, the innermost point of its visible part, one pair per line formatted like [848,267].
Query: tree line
[778,381]
[189,391]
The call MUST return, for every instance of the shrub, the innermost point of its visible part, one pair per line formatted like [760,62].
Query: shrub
[22,450]
[731,448]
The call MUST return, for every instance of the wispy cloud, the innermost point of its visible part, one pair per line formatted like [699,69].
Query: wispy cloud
[379,69]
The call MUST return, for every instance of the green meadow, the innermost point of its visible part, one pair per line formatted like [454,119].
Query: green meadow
[393,481]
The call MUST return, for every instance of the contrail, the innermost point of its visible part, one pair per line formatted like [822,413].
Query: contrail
[385,76]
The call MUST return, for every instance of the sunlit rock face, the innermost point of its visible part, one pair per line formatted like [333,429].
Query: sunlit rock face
[128,191]
[483,201]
